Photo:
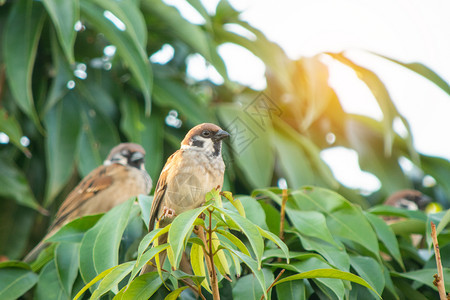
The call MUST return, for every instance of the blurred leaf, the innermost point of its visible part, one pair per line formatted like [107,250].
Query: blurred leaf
[49,286]
[97,138]
[63,128]
[425,276]
[443,222]
[10,126]
[14,282]
[129,14]
[169,93]
[112,279]
[328,273]
[100,245]
[66,263]
[439,169]
[18,188]
[64,15]
[187,32]
[387,210]
[128,47]
[408,227]
[248,288]
[20,41]
[74,231]
[370,270]
[380,93]
[137,126]
[422,70]
[181,227]
[145,203]
[344,219]
[250,144]
[386,236]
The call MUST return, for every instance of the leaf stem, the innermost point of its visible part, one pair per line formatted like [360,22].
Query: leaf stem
[283,213]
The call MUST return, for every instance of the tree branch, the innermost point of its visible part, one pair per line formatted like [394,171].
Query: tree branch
[439,277]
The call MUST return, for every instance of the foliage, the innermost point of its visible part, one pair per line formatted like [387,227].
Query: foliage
[75,97]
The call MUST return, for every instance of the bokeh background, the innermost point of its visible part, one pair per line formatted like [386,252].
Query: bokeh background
[352,96]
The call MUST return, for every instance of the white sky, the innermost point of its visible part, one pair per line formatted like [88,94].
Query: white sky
[407,30]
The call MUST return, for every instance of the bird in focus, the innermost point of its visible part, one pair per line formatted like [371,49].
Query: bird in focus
[121,177]
[191,172]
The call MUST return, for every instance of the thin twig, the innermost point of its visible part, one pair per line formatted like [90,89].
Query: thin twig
[283,213]
[273,283]
[439,277]
[193,287]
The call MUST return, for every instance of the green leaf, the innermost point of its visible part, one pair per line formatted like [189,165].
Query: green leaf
[422,70]
[336,256]
[181,227]
[370,270]
[18,188]
[144,286]
[49,286]
[74,231]
[20,41]
[145,203]
[198,264]
[136,127]
[343,219]
[247,286]
[176,293]
[300,159]
[312,224]
[292,290]
[254,267]
[250,144]
[145,257]
[100,245]
[112,279]
[409,226]
[14,282]
[444,222]
[235,241]
[97,138]
[425,276]
[439,168]
[10,126]
[168,93]
[128,47]
[328,273]
[270,236]
[66,263]
[250,230]
[63,128]
[129,14]
[386,236]
[64,15]
[252,210]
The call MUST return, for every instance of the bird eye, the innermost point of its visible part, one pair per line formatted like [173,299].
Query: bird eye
[206,133]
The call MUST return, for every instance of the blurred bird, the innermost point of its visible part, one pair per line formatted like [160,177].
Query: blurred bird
[191,172]
[408,199]
[121,177]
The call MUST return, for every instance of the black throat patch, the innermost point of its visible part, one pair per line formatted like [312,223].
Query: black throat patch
[198,143]
[217,145]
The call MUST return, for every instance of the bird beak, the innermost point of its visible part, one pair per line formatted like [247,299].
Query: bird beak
[136,156]
[220,135]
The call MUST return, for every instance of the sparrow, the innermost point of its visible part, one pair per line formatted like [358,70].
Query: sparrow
[408,199]
[189,173]
[121,177]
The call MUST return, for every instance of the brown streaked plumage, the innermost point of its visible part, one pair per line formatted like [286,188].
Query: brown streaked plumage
[192,171]
[121,177]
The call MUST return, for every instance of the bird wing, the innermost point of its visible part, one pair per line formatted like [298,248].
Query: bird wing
[98,180]
[160,190]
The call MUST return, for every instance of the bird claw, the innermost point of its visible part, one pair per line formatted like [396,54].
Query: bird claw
[167,212]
